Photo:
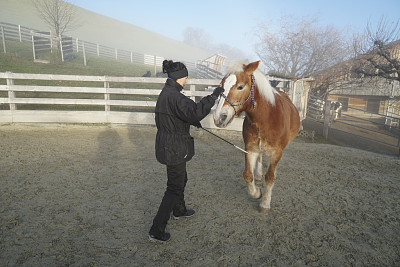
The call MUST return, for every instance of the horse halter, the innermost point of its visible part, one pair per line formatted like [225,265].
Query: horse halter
[251,95]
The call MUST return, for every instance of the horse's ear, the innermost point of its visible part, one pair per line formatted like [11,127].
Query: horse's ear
[249,69]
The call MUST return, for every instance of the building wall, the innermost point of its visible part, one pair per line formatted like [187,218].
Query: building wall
[372,104]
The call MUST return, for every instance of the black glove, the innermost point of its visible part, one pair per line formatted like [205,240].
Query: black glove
[217,92]
[197,124]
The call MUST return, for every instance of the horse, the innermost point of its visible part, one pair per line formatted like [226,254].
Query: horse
[270,124]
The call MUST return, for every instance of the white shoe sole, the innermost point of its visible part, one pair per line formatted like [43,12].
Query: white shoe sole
[153,239]
[177,218]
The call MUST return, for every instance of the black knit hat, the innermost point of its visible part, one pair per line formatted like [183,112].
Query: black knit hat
[178,74]
[175,70]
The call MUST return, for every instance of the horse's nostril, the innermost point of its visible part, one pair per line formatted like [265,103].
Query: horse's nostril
[223,117]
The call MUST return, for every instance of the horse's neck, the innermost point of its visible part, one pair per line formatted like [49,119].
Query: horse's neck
[261,111]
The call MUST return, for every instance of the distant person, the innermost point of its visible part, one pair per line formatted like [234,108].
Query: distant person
[337,106]
[147,74]
[174,146]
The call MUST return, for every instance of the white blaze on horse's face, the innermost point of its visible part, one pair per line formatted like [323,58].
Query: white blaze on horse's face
[224,114]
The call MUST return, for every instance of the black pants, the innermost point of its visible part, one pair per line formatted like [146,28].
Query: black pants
[173,200]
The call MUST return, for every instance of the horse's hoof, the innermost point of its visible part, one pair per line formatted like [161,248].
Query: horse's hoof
[263,211]
[258,195]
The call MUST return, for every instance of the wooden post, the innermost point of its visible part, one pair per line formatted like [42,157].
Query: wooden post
[11,93]
[116,54]
[106,95]
[398,144]
[51,42]
[326,118]
[33,47]
[98,50]
[4,40]
[192,91]
[155,66]
[77,45]
[20,34]
[84,53]
[61,49]
[131,57]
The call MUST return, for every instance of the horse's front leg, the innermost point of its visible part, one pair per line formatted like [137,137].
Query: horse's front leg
[270,176]
[248,174]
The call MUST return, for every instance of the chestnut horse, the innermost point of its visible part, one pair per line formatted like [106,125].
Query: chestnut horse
[271,123]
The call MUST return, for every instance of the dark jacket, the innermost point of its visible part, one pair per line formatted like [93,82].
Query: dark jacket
[174,114]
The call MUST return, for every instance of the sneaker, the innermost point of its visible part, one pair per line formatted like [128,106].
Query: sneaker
[188,213]
[163,239]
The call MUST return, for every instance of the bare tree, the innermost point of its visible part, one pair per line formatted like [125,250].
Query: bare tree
[197,37]
[59,15]
[200,38]
[300,48]
[377,51]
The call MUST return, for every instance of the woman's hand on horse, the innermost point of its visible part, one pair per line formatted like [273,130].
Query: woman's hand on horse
[217,92]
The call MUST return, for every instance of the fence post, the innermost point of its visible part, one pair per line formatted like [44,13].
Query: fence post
[61,48]
[33,47]
[51,42]
[20,34]
[4,40]
[155,66]
[116,54]
[84,53]
[11,93]
[106,96]
[398,145]
[326,118]
[192,91]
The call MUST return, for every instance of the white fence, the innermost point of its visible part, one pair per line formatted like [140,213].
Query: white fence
[13,95]
[43,43]
[23,99]
[354,127]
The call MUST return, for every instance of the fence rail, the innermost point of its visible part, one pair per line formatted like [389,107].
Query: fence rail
[103,99]
[44,43]
[355,122]
[19,92]
[13,99]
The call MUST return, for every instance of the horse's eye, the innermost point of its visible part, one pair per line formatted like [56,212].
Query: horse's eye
[240,87]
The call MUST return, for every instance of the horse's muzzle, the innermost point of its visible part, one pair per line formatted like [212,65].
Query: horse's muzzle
[221,120]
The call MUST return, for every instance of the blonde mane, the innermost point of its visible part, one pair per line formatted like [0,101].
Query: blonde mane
[262,82]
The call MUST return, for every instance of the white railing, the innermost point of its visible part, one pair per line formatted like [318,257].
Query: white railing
[42,44]
[13,94]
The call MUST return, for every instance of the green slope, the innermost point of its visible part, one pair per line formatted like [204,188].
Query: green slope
[19,59]
[103,30]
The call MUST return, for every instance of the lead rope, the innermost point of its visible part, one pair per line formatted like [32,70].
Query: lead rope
[253,81]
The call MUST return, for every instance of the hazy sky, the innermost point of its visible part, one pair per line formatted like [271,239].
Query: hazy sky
[234,22]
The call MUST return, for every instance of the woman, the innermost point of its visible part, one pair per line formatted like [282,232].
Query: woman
[174,146]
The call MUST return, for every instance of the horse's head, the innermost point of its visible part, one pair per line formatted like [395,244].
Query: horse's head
[238,85]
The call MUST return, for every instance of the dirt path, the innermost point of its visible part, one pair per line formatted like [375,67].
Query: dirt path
[86,195]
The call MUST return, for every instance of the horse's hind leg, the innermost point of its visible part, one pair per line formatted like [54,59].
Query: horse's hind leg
[259,173]
[248,174]
[265,204]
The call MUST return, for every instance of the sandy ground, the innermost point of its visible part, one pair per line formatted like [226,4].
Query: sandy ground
[86,196]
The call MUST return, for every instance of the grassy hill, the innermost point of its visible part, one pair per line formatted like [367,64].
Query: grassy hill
[19,59]
[103,30]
